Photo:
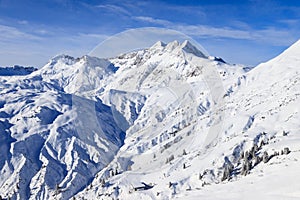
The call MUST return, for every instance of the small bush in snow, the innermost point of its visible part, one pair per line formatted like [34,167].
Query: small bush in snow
[170,159]
[286,151]
[284,133]
[276,153]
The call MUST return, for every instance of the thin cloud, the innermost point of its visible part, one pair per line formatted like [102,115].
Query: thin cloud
[290,22]
[82,39]
[9,32]
[198,30]
[32,48]
[153,20]
[274,36]
[23,22]
[198,11]
[209,31]
[113,8]
[269,35]
[43,32]
[93,35]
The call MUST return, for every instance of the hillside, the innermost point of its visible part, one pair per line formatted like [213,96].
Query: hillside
[159,123]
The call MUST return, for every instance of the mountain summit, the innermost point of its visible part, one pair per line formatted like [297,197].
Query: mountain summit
[185,46]
[189,48]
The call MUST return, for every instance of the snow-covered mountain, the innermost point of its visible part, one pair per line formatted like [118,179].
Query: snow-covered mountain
[159,123]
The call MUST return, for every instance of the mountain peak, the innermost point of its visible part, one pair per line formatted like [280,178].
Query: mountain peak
[69,60]
[188,47]
[172,45]
[159,44]
[186,43]
[185,46]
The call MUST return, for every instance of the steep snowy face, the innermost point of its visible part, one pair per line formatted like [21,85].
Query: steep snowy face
[81,76]
[282,67]
[269,95]
[170,79]
[165,95]
[65,122]
[52,141]
[160,83]
[163,158]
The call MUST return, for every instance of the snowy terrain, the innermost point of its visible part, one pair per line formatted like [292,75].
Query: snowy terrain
[166,122]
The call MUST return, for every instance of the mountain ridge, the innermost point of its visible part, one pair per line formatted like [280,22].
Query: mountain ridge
[89,127]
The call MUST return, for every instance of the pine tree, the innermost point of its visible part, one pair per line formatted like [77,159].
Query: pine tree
[228,169]
[102,182]
[256,160]
[246,167]
[246,156]
[56,189]
[112,172]
[242,155]
[255,148]
[226,174]
[265,157]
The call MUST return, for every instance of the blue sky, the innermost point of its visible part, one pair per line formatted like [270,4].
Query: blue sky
[247,32]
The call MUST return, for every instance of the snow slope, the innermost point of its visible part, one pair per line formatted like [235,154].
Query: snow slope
[159,123]
[164,158]
[52,140]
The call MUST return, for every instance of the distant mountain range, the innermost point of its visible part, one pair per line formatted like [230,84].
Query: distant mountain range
[16,70]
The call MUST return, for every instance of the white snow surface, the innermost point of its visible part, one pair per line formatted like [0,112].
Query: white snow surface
[159,123]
